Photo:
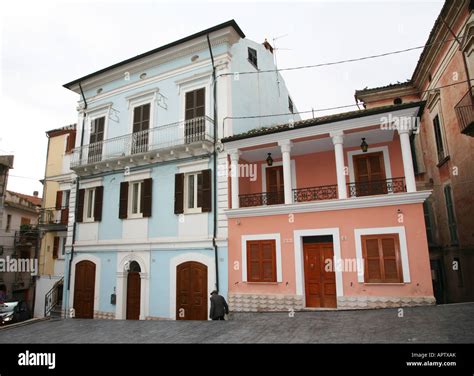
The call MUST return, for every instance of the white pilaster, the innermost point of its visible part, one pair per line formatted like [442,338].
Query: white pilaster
[234,177]
[407,160]
[285,147]
[337,140]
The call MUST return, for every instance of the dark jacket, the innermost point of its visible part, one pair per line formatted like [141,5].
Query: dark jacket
[219,307]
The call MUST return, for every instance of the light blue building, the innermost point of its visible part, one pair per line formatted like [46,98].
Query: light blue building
[148,242]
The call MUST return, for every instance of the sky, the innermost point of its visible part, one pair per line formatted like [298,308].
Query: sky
[44,44]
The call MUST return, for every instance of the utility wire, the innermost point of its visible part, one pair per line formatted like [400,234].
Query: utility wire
[339,61]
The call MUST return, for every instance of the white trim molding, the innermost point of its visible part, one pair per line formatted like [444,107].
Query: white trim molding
[299,261]
[276,237]
[96,261]
[186,257]
[400,230]
[329,205]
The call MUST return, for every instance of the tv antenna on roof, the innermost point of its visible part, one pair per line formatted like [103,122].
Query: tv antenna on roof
[275,58]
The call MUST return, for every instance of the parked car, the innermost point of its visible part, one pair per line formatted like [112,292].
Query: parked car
[14,311]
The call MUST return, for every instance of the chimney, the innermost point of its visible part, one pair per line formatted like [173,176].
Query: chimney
[35,193]
[267,45]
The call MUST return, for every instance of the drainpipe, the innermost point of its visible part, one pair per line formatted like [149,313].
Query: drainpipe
[76,204]
[214,157]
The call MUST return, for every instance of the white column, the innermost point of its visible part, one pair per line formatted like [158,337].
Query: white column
[337,140]
[407,160]
[234,178]
[285,147]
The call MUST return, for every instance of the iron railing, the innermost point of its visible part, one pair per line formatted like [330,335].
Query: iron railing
[53,216]
[376,187]
[162,137]
[262,198]
[53,297]
[465,113]
[323,192]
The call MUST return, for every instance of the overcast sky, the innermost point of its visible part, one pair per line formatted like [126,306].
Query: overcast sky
[45,44]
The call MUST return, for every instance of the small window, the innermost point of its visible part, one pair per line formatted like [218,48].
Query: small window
[9,222]
[261,261]
[453,233]
[193,185]
[382,259]
[135,199]
[397,101]
[290,105]
[25,221]
[428,222]
[439,139]
[89,205]
[63,248]
[253,57]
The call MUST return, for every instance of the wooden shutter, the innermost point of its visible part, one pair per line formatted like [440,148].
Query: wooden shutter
[56,247]
[71,140]
[373,270]
[179,194]
[99,198]
[146,198]
[59,200]
[80,205]
[205,191]
[195,104]
[390,254]
[261,261]
[382,259]
[123,205]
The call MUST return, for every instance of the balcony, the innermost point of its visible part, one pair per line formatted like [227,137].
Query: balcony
[263,198]
[53,219]
[376,187]
[324,192]
[465,114]
[171,141]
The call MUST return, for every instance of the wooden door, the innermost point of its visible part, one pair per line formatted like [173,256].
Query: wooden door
[84,285]
[320,285]
[96,140]
[195,110]
[369,174]
[191,291]
[133,296]
[275,185]
[141,126]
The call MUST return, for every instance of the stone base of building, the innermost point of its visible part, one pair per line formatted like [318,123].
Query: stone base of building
[369,302]
[285,303]
[154,318]
[104,315]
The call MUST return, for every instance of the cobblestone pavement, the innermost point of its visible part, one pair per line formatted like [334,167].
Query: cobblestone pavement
[434,324]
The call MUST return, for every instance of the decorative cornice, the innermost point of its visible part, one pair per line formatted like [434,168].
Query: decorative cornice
[330,205]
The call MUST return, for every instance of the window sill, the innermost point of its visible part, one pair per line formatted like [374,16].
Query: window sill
[261,283]
[88,221]
[384,283]
[134,216]
[443,161]
[195,211]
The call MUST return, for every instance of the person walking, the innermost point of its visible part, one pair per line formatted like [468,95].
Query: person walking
[219,306]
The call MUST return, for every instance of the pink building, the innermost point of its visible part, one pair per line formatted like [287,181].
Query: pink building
[325,213]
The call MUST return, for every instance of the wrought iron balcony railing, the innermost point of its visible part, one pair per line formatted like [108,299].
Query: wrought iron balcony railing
[465,113]
[377,187]
[262,198]
[53,216]
[323,192]
[187,132]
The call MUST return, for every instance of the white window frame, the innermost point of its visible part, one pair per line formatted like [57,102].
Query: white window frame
[402,239]
[62,247]
[195,209]
[130,214]
[85,218]
[276,237]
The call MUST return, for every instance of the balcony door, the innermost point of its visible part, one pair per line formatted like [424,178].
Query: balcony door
[96,139]
[194,128]
[369,174]
[275,185]
[141,126]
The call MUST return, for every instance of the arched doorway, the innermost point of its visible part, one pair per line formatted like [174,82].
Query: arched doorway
[133,291]
[191,291]
[84,286]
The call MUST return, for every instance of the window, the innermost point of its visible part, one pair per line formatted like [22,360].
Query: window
[96,139]
[9,222]
[439,139]
[25,221]
[63,248]
[70,142]
[135,209]
[451,217]
[89,205]
[382,258]
[290,105]
[195,110]
[253,57]
[141,125]
[135,199]
[261,261]
[193,192]
[428,222]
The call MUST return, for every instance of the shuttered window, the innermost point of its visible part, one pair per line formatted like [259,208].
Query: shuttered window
[261,261]
[252,56]
[141,125]
[193,192]
[56,247]
[195,110]
[382,258]
[453,232]
[70,142]
[439,139]
[90,202]
[96,139]
[136,199]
